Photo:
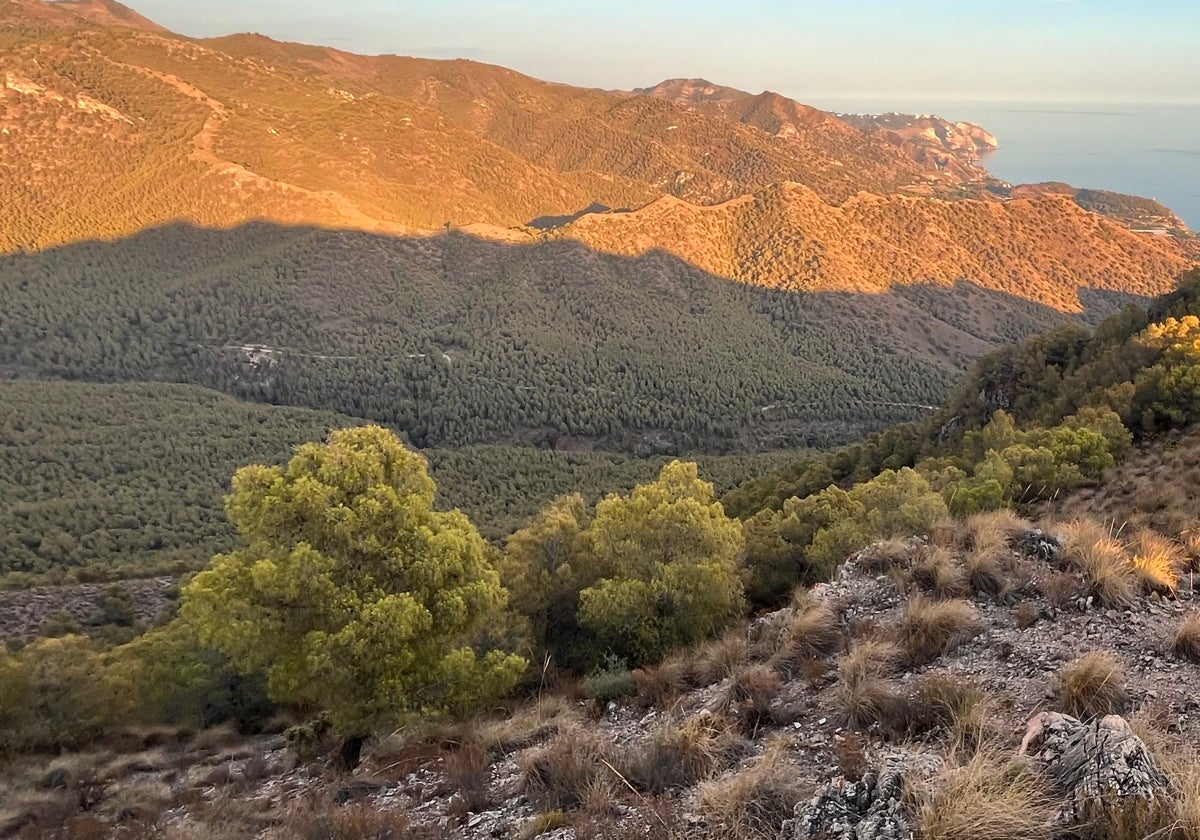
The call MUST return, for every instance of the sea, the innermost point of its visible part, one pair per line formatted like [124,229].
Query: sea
[1151,150]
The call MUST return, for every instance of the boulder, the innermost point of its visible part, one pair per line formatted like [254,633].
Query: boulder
[1101,768]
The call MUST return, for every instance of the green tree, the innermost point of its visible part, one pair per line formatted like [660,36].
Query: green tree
[668,561]
[353,594]
[546,565]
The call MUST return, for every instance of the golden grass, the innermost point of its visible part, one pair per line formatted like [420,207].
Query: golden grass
[752,802]
[1104,562]
[929,629]
[1157,562]
[1092,686]
[986,797]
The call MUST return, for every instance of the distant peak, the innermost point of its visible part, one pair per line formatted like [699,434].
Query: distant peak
[103,12]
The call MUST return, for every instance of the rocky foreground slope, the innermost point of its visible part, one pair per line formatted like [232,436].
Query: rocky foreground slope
[987,680]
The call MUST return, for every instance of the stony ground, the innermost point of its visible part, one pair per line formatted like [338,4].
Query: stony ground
[250,787]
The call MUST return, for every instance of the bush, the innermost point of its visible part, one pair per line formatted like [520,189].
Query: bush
[670,568]
[929,629]
[612,682]
[1093,686]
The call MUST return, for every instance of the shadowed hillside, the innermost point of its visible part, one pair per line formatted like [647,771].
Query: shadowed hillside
[458,340]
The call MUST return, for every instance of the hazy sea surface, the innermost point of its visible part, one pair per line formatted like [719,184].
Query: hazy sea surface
[1150,150]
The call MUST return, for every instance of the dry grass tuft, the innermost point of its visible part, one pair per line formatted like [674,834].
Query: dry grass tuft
[661,685]
[753,801]
[996,527]
[883,557]
[1093,686]
[754,688]
[989,797]
[680,755]
[814,632]
[1104,562]
[1186,642]
[527,726]
[558,776]
[956,705]
[543,823]
[717,659]
[937,573]
[1157,562]
[325,821]
[865,694]
[469,769]
[991,555]
[949,533]
[929,629]
[1026,615]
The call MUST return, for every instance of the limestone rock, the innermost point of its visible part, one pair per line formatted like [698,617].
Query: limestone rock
[1099,767]
[871,808]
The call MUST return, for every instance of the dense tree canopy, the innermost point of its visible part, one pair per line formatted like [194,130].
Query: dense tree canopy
[352,593]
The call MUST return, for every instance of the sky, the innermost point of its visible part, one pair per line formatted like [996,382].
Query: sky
[824,52]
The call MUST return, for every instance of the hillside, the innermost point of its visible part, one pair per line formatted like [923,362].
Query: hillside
[949,150]
[459,340]
[224,130]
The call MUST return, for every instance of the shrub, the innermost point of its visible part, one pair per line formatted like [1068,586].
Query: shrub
[680,755]
[752,802]
[1186,642]
[929,629]
[989,797]
[611,682]
[1093,686]
[671,563]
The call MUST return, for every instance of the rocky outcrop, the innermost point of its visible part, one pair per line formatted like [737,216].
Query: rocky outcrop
[1101,768]
[871,808]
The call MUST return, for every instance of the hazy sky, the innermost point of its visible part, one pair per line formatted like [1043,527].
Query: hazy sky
[821,51]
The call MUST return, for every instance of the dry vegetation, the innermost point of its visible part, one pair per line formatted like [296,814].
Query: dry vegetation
[1093,686]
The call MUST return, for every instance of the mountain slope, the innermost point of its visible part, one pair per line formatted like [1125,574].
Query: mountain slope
[786,237]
